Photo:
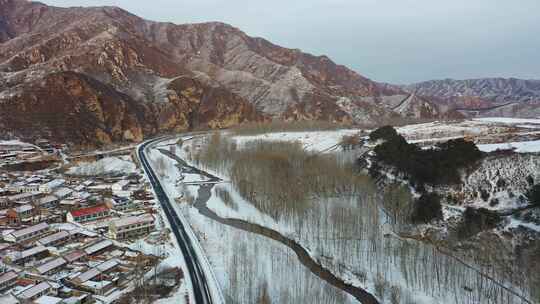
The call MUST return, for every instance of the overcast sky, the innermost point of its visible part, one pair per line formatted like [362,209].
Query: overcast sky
[399,41]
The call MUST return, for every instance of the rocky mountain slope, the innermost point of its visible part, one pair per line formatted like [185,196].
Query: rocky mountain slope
[152,77]
[485,96]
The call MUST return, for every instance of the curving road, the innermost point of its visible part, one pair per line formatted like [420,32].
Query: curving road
[201,290]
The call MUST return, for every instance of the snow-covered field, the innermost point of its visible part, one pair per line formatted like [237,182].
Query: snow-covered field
[107,165]
[520,147]
[311,141]
[490,134]
[350,237]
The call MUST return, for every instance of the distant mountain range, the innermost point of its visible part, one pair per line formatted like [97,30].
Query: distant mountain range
[96,75]
[485,96]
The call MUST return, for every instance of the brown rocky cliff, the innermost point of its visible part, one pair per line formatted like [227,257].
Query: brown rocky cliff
[164,77]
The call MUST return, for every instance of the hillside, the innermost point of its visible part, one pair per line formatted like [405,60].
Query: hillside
[226,76]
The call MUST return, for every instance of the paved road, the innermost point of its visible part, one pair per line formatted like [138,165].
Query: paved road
[201,290]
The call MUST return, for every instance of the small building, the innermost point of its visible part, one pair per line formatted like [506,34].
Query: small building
[131,227]
[23,257]
[49,300]
[21,213]
[8,279]
[49,201]
[24,196]
[51,186]
[88,214]
[35,292]
[55,239]
[96,279]
[98,247]
[74,256]
[50,267]
[23,187]
[62,192]
[28,233]
[122,203]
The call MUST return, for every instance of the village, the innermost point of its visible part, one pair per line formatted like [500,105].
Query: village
[74,236]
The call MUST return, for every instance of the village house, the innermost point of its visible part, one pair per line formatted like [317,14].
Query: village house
[8,279]
[23,187]
[49,201]
[55,239]
[26,256]
[22,197]
[97,280]
[98,247]
[28,233]
[62,192]
[50,267]
[51,186]
[35,292]
[122,203]
[75,256]
[130,227]
[88,214]
[21,213]
[4,202]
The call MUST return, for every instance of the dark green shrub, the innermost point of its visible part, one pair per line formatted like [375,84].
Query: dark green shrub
[427,208]
[533,195]
[477,220]
[439,165]
[386,133]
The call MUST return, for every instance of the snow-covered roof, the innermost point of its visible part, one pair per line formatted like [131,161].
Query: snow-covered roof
[43,268]
[54,237]
[7,276]
[131,220]
[31,229]
[34,290]
[48,300]
[62,192]
[107,265]
[88,275]
[23,196]
[98,246]
[55,183]
[17,255]
[8,299]
[47,199]
[24,208]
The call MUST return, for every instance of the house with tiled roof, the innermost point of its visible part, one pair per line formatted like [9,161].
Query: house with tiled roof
[88,214]
[132,226]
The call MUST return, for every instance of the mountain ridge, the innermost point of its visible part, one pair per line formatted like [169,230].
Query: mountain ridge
[141,58]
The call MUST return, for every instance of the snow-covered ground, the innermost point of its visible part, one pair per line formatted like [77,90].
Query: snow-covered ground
[350,237]
[107,165]
[508,120]
[312,141]
[520,147]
